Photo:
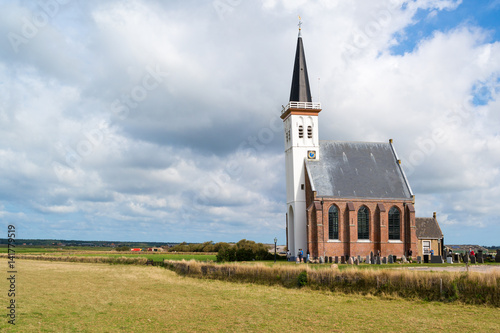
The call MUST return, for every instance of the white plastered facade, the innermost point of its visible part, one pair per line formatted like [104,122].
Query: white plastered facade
[297,147]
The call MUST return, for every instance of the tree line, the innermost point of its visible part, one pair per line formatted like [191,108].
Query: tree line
[244,250]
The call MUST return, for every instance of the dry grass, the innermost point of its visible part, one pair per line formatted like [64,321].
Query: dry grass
[78,297]
[87,259]
[473,288]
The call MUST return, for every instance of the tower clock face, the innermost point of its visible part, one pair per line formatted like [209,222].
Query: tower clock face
[311,154]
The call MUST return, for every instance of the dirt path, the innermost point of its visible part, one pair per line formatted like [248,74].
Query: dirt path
[472,268]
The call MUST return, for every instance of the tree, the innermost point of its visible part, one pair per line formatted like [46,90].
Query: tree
[244,250]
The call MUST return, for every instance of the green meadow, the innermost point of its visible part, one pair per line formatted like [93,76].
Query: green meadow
[152,256]
[103,252]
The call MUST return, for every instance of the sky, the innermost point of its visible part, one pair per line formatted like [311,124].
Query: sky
[159,120]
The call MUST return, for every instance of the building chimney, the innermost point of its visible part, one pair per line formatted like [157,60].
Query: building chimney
[434,215]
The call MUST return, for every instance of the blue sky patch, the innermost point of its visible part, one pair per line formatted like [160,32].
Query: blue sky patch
[481,94]
[485,14]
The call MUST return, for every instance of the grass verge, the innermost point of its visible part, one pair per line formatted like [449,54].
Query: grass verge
[471,288]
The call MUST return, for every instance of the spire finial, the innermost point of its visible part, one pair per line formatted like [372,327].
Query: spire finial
[300,91]
[300,26]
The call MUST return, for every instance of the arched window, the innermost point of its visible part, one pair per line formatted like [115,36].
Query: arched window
[394,223]
[309,132]
[301,131]
[333,223]
[363,223]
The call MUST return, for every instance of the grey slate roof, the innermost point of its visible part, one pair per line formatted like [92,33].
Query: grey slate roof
[357,170]
[428,227]
[466,247]
[300,91]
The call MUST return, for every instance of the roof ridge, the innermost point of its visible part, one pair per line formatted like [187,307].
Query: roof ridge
[342,141]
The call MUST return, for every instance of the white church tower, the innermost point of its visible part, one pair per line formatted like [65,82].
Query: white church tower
[300,119]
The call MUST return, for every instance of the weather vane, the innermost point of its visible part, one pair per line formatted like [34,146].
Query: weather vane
[300,26]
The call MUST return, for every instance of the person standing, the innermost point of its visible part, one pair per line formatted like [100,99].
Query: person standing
[300,255]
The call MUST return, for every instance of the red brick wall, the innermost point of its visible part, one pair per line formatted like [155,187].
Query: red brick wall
[348,243]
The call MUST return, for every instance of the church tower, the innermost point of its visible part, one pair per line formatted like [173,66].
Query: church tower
[300,119]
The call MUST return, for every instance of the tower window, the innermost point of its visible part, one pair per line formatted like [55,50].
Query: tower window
[309,132]
[301,131]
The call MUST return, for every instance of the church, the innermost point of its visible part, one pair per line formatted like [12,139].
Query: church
[343,198]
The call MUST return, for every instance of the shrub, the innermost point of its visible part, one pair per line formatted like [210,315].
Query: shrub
[244,250]
[182,247]
[302,279]
[226,253]
[245,255]
[259,250]
[203,247]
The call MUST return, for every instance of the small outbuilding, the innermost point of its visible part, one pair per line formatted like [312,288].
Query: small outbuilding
[429,235]
[155,249]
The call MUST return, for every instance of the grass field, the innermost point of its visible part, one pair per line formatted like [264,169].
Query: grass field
[99,252]
[79,297]
[152,256]
[30,250]
[49,249]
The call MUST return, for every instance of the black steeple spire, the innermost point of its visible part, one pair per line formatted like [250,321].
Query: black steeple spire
[300,91]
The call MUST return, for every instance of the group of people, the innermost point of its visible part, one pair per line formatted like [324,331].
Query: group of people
[300,256]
